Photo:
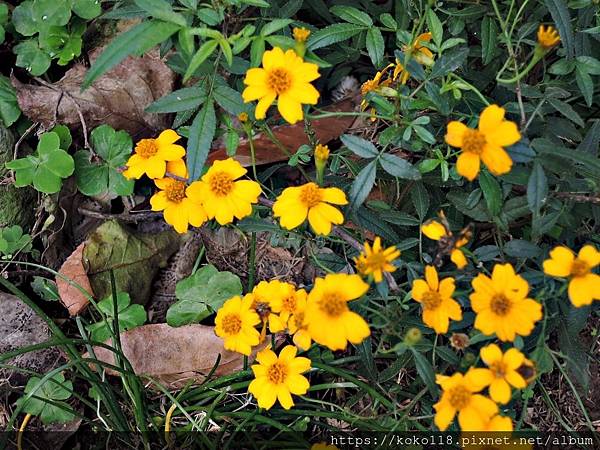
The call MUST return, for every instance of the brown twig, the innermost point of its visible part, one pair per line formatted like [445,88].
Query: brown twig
[578,197]
[123,217]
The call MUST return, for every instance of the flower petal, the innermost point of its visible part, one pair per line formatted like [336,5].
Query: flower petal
[454,133]
[468,165]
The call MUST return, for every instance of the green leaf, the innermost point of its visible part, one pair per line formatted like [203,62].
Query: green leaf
[587,164]
[101,176]
[22,19]
[359,146]
[87,9]
[274,25]
[435,27]
[520,248]
[570,343]
[199,57]
[478,211]
[588,64]
[31,57]
[229,99]
[161,9]
[425,371]
[560,14]
[586,85]
[387,20]
[47,13]
[202,133]
[54,389]
[12,240]
[64,136]
[537,188]
[399,167]
[179,100]
[332,34]
[352,15]
[135,41]
[362,185]
[375,45]
[492,192]
[589,144]
[9,107]
[420,199]
[489,38]
[449,62]
[566,110]
[45,288]
[129,317]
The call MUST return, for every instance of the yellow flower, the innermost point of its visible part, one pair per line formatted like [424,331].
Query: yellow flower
[484,144]
[268,302]
[276,378]
[330,321]
[502,305]
[321,153]
[151,156]
[178,210]
[297,325]
[502,372]
[221,195]
[300,34]
[437,231]
[499,424]
[297,203]
[235,324]
[584,286]
[284,76]
[374,85]
[243,117]
[420,53]
[547,37]
[460,395]
[375,261]
[436,299]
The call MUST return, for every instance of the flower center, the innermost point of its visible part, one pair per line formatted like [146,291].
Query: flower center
[279,80]
[473,141]
[221,183]
[311,195]
[459,397]
[579,268]
[176,191]
[369,86]
[500,305]
[333,305]
[431,300]
[376,261]
[232,324]
[289,303]
[277,373]
[499,369]
[299,319]
[146,148]
[263,309]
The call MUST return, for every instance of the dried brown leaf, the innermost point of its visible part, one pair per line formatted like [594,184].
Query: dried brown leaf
[174,355]
[74,270]
[118,98]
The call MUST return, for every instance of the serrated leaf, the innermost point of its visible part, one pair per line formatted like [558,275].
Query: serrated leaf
[425,371]
[560,14]
[362,185]
[492,192]
[134,41]
[420,199]
[229,99]
[359,146]
[585,84]
[399,167]
[375,45]
[435,27]
[537,188]
[520,248]
[205,50]
[332,34]
[352,15]
[449,62]
[180,100]
[274,25]
[489,37]
[202,133]
[161,9]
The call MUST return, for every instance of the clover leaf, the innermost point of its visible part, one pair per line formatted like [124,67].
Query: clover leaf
[31,57]
[201,294]
[3,20]
[99,174]
[47,400]
[9,108]
[46,168]
[13,240]
[130,316]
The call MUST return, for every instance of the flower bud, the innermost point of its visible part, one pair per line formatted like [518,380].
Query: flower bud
[412,337]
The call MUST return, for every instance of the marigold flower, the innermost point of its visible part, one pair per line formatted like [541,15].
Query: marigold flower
[420,53]
[330,321]
[374,85]
[547,37]
[437,231]
[376,260]
[321,153]
[284,76]
[584,286]
[436,299]
[276,378]
[178,210]
[502,372]
[501,304]
[268,302]
[151,156]
[221,195]
[297,325]
[486,143]
[300,34]
[460,395]
[235,322]
[297,203]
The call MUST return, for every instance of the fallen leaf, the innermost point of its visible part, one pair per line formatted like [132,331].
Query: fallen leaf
[118,98]
[70,294]
[291,137]
[134,257]
[156,350]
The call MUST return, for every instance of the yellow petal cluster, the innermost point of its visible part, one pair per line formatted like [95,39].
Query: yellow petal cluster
[375,261]
[151,156]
